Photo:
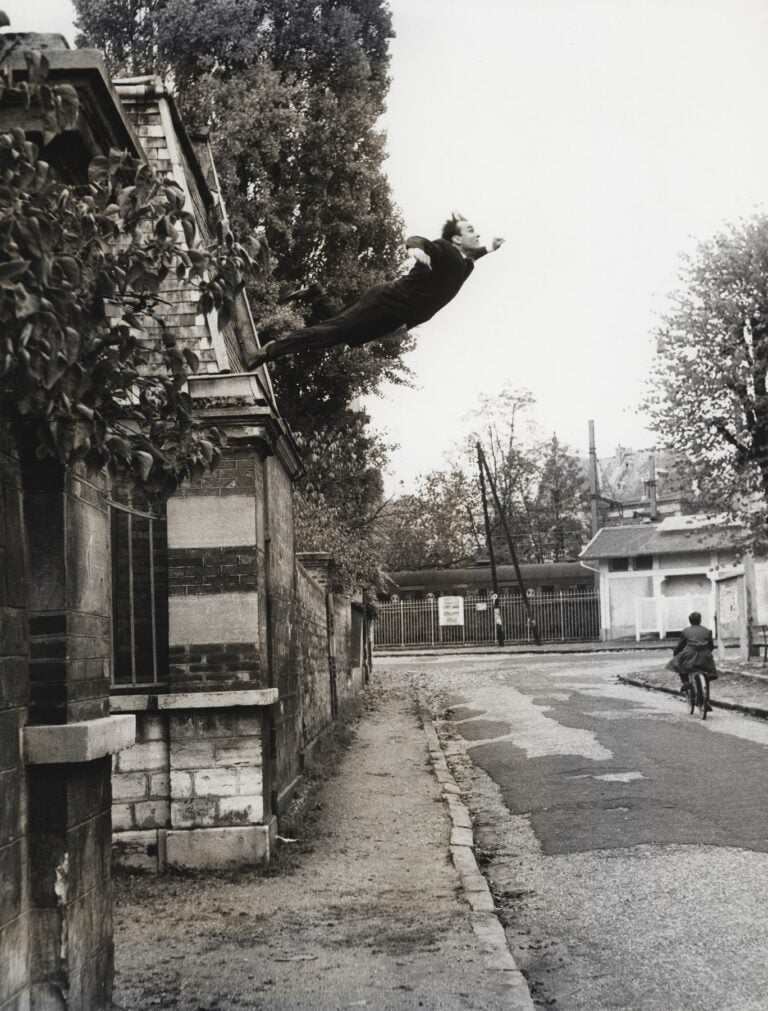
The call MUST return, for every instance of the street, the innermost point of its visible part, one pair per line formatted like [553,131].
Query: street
[625,841]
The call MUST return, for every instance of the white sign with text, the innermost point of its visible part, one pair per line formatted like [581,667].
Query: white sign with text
[450,610]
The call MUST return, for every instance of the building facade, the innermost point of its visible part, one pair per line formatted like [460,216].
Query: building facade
[651,576]
[166,669]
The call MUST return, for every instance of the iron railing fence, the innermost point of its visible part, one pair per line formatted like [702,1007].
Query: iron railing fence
[564,616]
[139,597]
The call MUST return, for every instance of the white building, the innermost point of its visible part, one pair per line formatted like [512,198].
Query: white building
[653,575]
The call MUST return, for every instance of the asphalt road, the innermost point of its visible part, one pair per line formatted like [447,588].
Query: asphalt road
[626,841]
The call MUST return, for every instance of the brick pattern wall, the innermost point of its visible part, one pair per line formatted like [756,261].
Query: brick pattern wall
[216,665]
[14,947]
[67,526]
[179,318]
[310,649]
[212,570]
[216,768]
[238,473]
[141,778]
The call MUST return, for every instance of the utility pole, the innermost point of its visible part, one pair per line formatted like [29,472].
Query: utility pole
[512,552]
[491,554]
[593,479]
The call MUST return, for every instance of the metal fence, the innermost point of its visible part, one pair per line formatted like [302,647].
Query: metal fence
[565,616]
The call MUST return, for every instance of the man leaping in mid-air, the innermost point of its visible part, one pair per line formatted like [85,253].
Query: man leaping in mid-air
[441,268]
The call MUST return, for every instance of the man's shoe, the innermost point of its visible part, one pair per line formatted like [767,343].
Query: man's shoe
[713,677]
[256,359]
[685,688]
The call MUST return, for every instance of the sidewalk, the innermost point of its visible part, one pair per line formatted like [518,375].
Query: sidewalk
[379,904]
[742,685]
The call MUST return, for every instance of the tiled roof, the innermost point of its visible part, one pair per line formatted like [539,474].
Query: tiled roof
[650,539]
[150,108]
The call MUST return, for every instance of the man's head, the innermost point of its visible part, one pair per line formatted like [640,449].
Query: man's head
[694,618]
[461,233]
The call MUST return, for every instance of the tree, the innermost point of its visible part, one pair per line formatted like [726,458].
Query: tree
[561,504]
[80,275]
[540,485]
[291,92]
[436,526]
[708,397]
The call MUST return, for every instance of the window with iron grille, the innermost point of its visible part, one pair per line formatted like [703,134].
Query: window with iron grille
[139,597]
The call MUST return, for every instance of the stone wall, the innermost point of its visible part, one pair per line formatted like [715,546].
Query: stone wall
[192,777]
[280,602]
[312,657]
[55,738]
[14,689]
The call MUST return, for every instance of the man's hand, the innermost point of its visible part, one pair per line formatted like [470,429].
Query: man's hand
[496,243]
[420,256]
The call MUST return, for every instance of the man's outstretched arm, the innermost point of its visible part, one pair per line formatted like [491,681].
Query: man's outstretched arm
[419,249]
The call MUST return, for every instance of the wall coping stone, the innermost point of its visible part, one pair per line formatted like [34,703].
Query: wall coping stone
[85,741]
[132,703]
[218,700]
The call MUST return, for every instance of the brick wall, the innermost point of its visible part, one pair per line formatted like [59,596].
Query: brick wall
[67,527]
[215,557]
[311,655]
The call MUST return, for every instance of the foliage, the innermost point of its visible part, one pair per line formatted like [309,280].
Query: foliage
[540,485]
[291,92]
[708,397]
[81,268]
[340,506]
[436,526]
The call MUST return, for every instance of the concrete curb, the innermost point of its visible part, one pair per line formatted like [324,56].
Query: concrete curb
[734,707]
[485,923]
[563,649]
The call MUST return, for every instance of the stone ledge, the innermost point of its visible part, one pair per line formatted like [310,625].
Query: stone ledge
[218,700]
[86,741]
[210,848]
[132,703]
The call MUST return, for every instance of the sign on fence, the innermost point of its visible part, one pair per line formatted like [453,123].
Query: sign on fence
[450,610]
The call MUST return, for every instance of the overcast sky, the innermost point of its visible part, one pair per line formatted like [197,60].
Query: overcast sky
[601,138]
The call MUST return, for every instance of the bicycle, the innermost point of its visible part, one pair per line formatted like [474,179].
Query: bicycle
[698,693]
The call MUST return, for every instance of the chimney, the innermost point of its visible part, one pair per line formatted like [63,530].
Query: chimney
[651,484]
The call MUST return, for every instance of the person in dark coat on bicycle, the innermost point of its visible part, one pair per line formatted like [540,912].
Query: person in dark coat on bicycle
[693,651]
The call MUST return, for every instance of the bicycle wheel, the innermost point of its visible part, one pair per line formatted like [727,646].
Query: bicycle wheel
[702,694]
[691,693]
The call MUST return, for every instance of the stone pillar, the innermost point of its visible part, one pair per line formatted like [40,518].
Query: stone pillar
[217,708]
[69,738]
[14,691]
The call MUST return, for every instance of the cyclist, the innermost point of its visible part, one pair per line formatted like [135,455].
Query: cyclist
[693,651]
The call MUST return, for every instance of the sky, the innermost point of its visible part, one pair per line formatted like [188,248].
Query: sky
[602,139]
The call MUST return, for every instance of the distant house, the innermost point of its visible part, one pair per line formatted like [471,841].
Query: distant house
[641,484]
[653,575]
